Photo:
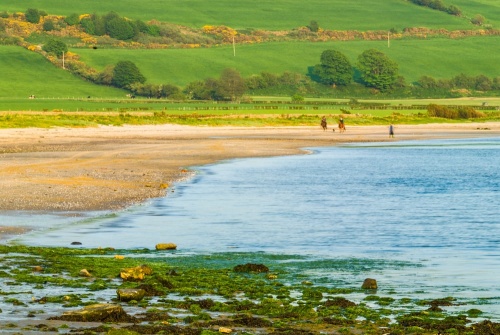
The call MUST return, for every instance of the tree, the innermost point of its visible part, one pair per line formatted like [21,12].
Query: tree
[231,84]
[126,73]
[483,83]
[120,28]
[334,68]
[377,70]
[427,82]
[55,47]
[32,15]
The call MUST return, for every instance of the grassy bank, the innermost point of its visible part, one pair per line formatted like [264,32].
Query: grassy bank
[202,117]
[29,73]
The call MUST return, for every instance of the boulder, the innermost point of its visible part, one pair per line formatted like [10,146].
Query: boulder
[166,246]
[369,284]
[84,273]
[129,294]
[97,313]
[137,273]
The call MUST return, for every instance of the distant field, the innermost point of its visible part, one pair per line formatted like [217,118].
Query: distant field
[439,58]
[273,15]
[490,9]
[263,105]
[26,73]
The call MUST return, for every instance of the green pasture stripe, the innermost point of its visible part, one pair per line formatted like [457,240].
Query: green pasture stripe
[440,58]
[26,73]
[490,9]
[273,15]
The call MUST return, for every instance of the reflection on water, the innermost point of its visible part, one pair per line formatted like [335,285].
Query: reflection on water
[432,203]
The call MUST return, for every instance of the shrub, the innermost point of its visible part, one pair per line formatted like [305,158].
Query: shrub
[48,25]
[32,15]
[313,26]
[462,112]
[297,98]
[120,29]
[72,19]
[477,20]
[55,47]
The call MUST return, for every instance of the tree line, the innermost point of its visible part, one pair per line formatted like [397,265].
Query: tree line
[374,68]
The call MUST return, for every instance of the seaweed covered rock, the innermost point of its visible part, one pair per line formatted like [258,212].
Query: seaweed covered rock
[129,294]
[250,267]
[369,284]
[97,313]
[137,273]
[486,327]
[339,302]
[166,246]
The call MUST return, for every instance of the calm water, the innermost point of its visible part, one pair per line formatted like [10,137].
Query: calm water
[434,204]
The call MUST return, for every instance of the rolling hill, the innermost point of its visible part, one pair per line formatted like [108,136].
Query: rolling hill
[273,15]
[25,73]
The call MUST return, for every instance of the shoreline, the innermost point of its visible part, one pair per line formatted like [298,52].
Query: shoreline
[107,168]
[110,168]
[75,161]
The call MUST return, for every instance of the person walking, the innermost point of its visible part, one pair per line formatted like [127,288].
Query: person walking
[391,131]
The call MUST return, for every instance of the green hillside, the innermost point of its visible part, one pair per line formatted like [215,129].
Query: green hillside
[438,58]
[26,73]
[490,9]
[274,15]
[197,54]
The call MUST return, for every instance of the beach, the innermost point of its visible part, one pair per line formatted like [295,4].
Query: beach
[74,170]
[105,168]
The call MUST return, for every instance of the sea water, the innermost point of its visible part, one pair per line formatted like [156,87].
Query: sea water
[429,210]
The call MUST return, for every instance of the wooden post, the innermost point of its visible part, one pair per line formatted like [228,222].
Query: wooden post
[234,48]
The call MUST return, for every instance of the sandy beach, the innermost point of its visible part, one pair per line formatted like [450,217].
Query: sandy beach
[78,169]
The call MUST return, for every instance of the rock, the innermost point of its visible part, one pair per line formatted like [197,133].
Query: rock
[84,273]
[339,302]
[128,294]
[76,243]
[166,246]
[37,268]
[119,257]
[225,330]
[369,284]
[137,273]
[249,267]
[97,313]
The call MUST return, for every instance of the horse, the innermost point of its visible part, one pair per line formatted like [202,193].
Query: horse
[341,127]
[323,124]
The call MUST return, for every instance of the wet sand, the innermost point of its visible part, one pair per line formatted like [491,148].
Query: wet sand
[102,168]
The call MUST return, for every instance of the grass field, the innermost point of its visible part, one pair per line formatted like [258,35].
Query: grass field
[490,9]
[26,73]
[262,105]
[272,15]
[440,58]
